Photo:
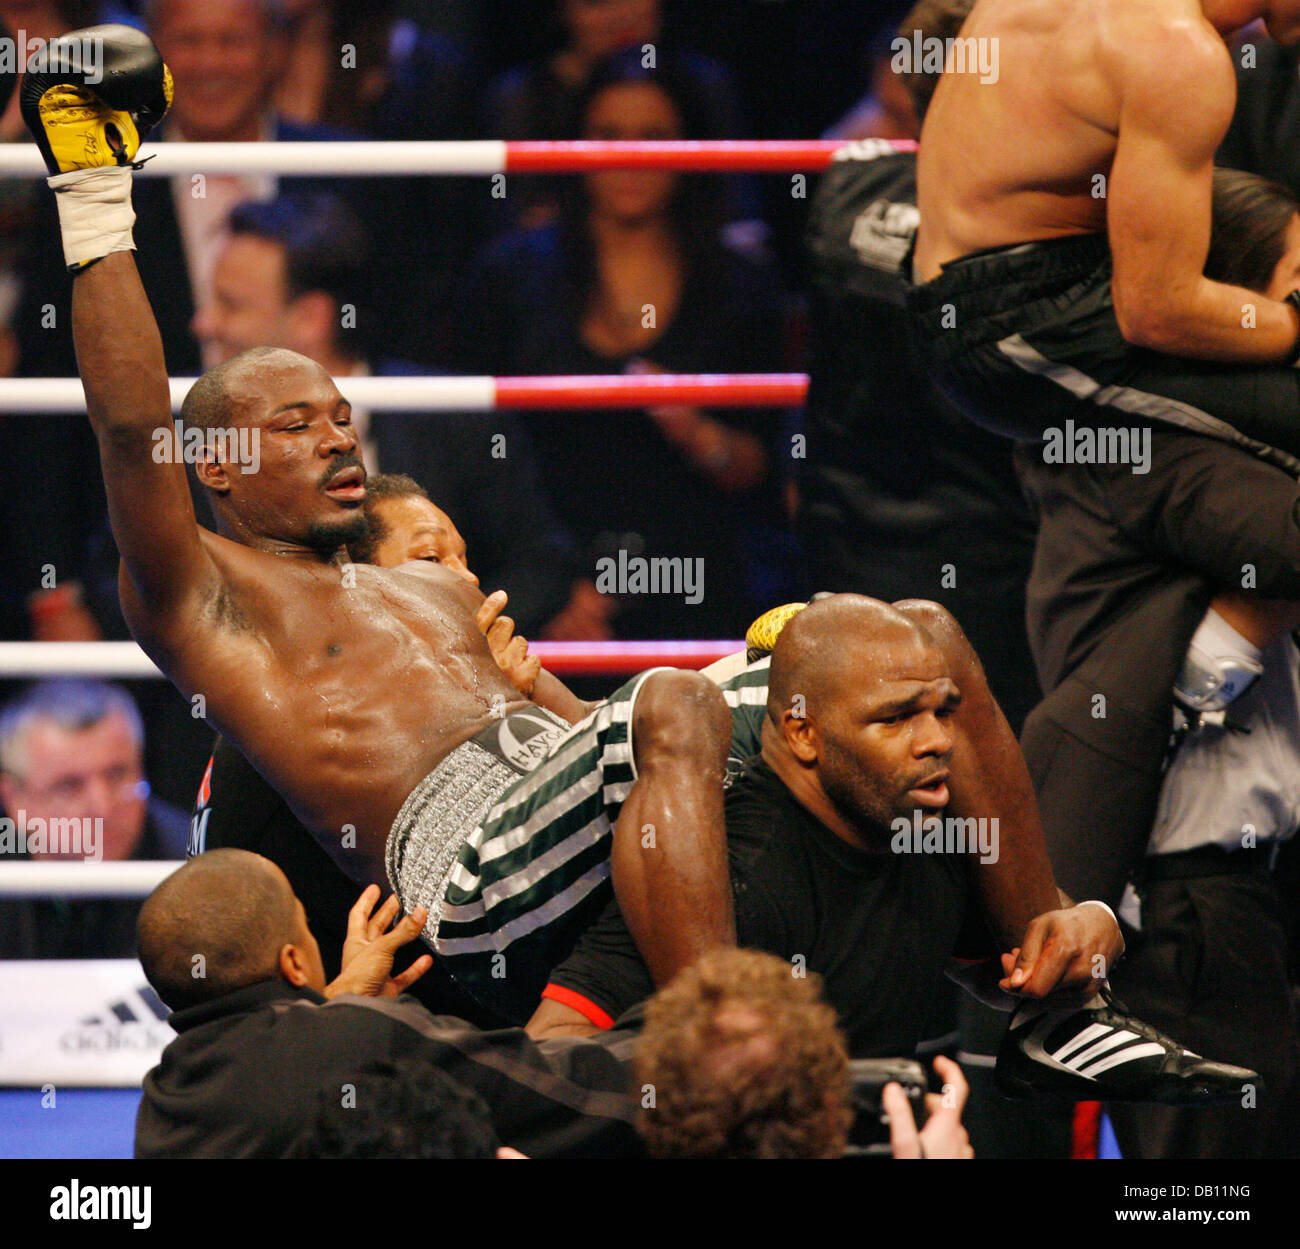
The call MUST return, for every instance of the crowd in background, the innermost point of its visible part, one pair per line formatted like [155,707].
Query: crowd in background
[878,491]
[610,273]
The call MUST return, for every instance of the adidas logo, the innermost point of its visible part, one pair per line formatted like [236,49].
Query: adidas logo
[137,1021]
[1097,1048]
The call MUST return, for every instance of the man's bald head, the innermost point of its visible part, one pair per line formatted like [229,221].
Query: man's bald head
[221,395]
[215,925]
[859,702]
[835,644]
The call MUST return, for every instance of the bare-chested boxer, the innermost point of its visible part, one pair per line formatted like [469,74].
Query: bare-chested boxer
[1065,223]
[368,697]
[236,809]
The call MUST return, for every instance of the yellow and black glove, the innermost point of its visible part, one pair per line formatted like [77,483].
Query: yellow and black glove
[90,98]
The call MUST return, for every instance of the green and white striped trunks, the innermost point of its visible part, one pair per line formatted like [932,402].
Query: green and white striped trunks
[507,841]
[746,695]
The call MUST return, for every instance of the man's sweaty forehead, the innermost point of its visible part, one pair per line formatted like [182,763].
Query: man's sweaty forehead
[897,695]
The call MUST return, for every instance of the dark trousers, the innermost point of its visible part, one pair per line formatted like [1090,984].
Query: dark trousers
[1022,339]
[1210,968]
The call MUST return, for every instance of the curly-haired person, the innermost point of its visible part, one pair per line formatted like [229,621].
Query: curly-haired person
[740,1058]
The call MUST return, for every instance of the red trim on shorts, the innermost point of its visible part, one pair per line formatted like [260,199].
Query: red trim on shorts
[584,1006]
[1086,1135]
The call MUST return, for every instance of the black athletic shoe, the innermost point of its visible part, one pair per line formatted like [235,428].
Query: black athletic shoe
[1102,1053]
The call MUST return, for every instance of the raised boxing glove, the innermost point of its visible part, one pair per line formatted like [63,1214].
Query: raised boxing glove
[89,99]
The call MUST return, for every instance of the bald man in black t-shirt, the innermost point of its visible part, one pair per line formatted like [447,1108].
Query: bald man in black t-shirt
[844,909]
[845,861]
[820,828]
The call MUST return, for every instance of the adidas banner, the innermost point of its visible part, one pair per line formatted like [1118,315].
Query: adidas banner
[93,1023]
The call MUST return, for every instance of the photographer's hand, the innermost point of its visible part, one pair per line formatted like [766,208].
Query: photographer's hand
[943,1135]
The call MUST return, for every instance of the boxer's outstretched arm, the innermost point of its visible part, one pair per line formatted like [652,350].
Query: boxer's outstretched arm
[120,358]
[1177,90]
[989,779]
[1052,944]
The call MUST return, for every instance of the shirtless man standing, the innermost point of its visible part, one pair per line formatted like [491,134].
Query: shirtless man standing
[1065,224]
[368,697]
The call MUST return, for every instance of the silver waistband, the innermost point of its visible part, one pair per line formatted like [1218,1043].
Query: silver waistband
[441,812]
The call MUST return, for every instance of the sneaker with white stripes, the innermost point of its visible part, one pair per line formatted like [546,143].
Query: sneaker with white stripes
[1102,1053]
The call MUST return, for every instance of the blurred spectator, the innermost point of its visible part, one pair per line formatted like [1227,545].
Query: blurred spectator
[635,277]
[284,279]
[538,100]
[362,68]
[74,751]
[227,57]
[229,61]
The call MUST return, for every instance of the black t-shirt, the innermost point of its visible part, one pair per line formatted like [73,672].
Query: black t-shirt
[879,928]
[236,808]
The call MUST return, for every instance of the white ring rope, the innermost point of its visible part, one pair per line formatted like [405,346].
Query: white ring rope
[76,879]
[125,660]
[346,158]
[65,396]
[350,158]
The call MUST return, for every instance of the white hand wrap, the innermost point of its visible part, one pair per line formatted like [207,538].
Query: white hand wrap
[95,213]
